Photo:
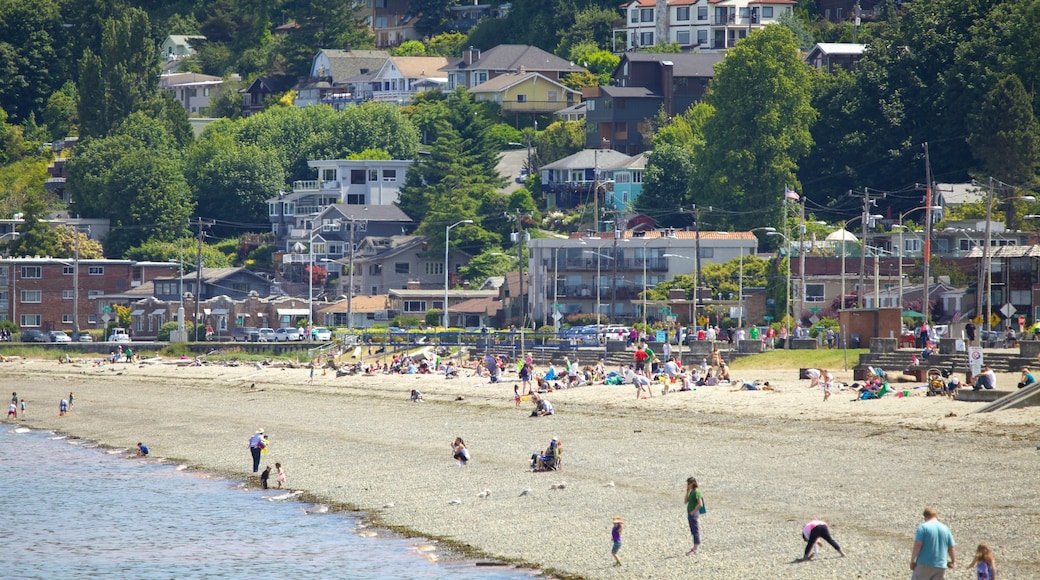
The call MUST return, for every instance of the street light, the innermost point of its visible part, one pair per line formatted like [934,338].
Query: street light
[787,308]
[987,252]
[447,246]
[599,285]
[902,228]
[844,251]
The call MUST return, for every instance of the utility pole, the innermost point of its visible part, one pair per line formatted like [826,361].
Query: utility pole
[697,262]
[801,260]
[202,224]
[925,303]
[75,288]
[350,276]
[865,221]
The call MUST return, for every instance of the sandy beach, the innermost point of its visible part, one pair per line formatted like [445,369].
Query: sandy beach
[767,462]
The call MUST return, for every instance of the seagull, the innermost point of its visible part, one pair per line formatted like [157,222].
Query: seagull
[608,484]
[388,505]
[526,491]
[455,501]
[560,485]
[484,494]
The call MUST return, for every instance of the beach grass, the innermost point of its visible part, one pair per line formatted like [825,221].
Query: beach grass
[794,359]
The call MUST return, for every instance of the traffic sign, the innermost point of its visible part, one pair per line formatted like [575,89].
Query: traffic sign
[994,319]
[767,318]
[815,309]
[105,318]
[108,309]
[1008,310]
[557,316]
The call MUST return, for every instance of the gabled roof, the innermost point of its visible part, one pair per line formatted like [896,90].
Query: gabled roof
[359,304]
[597,158]
[958,193]
[185,39]
[211,275]
[838,48]
[637,162]
[503,82]
[415,67]
[349,63]
[686,64]
[177,79]
[629,92]
[375,213]
[373,248]
[272,84]
[510,57]
[487,305]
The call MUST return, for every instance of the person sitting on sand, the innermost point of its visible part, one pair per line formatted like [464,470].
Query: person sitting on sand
[142,449]
[724,373]
[542,406]
[1026,379]
[450,372]
[711,380]
[549,459]
[416,396]
[550,373]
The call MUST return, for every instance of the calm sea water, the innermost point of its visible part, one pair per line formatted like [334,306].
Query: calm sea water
[71,511]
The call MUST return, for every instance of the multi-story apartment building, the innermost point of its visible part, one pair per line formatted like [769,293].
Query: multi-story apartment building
[700,24]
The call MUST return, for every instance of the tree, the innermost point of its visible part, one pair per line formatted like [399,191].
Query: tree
[176,250]
[66,239]
[60,113]
[559,140]
[433,16]
[489,263]
[35,237]
[593,24]
[447,44]
[32,62]
[153,201]
[231,182]
[760,127]
[1006,138]
[409,48]
[666,186]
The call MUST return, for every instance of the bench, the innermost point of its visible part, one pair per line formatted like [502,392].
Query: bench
[919,372]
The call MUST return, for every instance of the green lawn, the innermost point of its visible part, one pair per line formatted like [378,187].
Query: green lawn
[795,359]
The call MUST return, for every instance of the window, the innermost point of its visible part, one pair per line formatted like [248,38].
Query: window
[355,199]
[521,98]
[767,12]
[381,21]
[357,176]
[646,38]
[702,37]
[328,174]
[702,13]
[682,37]
[272,209]
[622,178]
[96,270]
[434,268]
[32,272]
[68,294]
[837,12]
[373,175]
[375,270]
[646,14]
[415,306]
[30,320]
[637,176]
[288,208]
[553,96]
[707,253]
[66,318]
[635,16]
[682,14]
[1021,296]
[401,267]
[319,248]
[68,270]
[92,318]
[814,293]
[94,293]
[274,229]
[966,245]
[390,175]
[192,93]
[205,91]
[335,249]
[745,12]
[914,245]
[32,295]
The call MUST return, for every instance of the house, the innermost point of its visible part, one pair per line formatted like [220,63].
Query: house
[570,182]
[575,112]
[55,184]
[835,55]
[695,24]
[358,312]
[841,10]
[48,294]
[392,21]
[386,262]
[644,84]
[237,283]
[399,78]
[192,90]
[525,92]
[350,182]
[598,272]
[221,313]
[417,302]
[628,183]
[178,46]
[476,67]
[330,69]
[262,88]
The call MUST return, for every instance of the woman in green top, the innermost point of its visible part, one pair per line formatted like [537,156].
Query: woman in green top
[1027,378]
[694,502]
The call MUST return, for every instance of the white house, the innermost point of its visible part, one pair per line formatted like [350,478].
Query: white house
[400,78]
[701,24]
[192,90]
[178,46]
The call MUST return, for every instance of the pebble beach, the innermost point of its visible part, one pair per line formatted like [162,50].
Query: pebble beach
[767,462]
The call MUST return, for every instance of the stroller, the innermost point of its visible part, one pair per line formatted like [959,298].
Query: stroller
[936,383]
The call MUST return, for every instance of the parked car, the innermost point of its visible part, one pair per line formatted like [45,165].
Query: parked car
[266,335]
[33,336]
[321,333]
[118,335]
[286,333]
[58,336]
[241,333]
[82,337]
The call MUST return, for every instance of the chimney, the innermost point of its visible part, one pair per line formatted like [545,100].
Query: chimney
[662,23]
[667,87]
[471,55]
[413,285]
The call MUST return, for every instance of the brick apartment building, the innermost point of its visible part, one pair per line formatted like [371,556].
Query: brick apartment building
[43,293]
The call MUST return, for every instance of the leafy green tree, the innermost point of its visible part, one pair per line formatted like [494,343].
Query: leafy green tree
[491,262]
[232,182]
[760,127]
[35,237]
[60,113]
[32,62]
[800,28]
[447,44]
[174,251]
[592,24]
[559,140]
[153,201]
[582,79]
[500,135]
[409,48]
[323,24]
[1006,138]
[434,15]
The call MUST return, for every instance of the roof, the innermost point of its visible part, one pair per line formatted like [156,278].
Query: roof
[349,63]
[210,275]
[595,158]
[675,234]
[377,213]
[509,57]
[686,64]
[652,3]
[630,92]
[636,162]
[839,48]
[414,67]
[175,79]
[185,39]
[1028,251]
[360,304]
[502,82]
[485,305]
[406,293]
[958,193]
[271,84]
[578,109]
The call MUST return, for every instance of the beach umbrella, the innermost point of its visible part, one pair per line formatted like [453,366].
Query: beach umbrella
[911,314]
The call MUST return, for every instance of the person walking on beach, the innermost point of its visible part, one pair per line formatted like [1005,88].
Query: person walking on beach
[257,443]
[23,408]
[933,551]
[615,537]
[281,474]
[982,563]
[814,533]
[694,507]
[71,401]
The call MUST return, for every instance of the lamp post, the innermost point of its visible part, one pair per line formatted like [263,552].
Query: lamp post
[447,247]
[902,228]
[556,289]
[844,251]
[787,308]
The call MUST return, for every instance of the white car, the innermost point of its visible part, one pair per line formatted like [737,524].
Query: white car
[321,333]
[285,334]
[58,336]
[266,335]
[118,335]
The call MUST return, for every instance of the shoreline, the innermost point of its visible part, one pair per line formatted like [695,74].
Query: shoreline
[357,441]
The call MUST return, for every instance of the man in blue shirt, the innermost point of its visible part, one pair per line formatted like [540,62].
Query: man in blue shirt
[256,446]
[933,550]
[142,449]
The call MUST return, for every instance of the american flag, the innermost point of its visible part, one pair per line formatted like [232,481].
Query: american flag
[790,194]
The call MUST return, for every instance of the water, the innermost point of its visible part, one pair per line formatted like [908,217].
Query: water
[71,511]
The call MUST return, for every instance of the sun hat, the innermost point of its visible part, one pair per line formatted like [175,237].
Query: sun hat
[618,520]
[260,431]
